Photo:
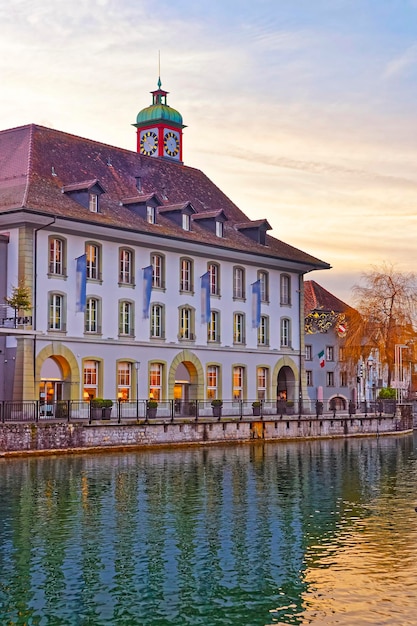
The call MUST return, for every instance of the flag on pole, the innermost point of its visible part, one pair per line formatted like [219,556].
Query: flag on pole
[322,359]
[205,298]
[256,304]
[147,289]
[81,284]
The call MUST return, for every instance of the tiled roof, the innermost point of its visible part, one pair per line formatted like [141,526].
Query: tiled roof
[36,163]
[317,298]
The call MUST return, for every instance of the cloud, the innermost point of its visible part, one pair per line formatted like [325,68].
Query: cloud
[401,64]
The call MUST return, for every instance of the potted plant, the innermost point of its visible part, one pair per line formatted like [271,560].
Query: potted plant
[106,409]
[217,408]
[96,408]
[151,408]
[256,407]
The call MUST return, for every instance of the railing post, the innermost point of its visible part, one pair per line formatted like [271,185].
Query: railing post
[69,407]
[37,409]
[89,411]
[172,409]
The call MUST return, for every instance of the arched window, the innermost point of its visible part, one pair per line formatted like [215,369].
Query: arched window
[285,333]
[57,312]
[93,253]
[262,383]
[214,273]
[158,271]
[124,380]
[238,283]
[238,328]
[285,289]
[126,318]
[157,321]
[155,381]
[186,275]
[92,316]
[212,381]
[263,277]
[213,327]
[126,266]
[57,256]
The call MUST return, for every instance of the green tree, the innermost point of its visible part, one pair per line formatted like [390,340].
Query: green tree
[19,300]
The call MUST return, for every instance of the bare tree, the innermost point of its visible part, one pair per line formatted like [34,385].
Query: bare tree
[387,312]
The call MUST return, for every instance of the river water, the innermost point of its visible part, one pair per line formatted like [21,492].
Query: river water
[319,532]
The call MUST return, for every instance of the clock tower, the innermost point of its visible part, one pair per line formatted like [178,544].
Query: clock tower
[159,128]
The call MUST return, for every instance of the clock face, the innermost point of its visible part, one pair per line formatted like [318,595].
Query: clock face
[171,144]
[148,142]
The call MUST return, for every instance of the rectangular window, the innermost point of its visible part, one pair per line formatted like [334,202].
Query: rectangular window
[219,229]
[262,383]
[213,269]
[156,321]
[125,267]
[213,327]
[309,377]
[263,331]
[264,287]
[124,377]
[92,253]
[90,378]
[186,275]
[150,214]
[93,202]
[238,328]
[330,379]
[186,221]
[329,353]
[309,352]
[238,283]
[285,333]
[238,381]
[343,379]
[342,353]
[212,381]
[155,381]
[56,312]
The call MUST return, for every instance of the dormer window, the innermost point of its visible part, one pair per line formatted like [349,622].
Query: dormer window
[93,202]
[179,214]
[186,221]
[212,221]
[144,205]
[255,230]
[150,214]
[87,193]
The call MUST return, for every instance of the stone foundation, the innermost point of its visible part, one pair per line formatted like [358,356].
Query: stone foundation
[73,437]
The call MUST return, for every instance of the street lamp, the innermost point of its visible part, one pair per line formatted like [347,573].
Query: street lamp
[137,368]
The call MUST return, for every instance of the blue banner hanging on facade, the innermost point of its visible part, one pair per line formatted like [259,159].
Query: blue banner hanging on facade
[147,289]
[205,298]
[256,304]
[81,284]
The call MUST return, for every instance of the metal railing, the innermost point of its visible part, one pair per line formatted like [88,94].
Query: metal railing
[175,410]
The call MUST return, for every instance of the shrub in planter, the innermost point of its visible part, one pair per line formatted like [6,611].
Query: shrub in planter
[96,408]
[217,407]
[256,407]
[151,408]
[107,406]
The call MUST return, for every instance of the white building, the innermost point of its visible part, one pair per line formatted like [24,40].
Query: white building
[64,198]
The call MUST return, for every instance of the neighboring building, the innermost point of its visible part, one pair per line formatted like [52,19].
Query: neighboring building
[118,249]
[330,378]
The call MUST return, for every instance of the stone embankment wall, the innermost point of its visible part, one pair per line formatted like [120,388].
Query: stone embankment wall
[70,437]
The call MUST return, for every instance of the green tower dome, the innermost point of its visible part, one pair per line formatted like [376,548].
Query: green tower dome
[159,110]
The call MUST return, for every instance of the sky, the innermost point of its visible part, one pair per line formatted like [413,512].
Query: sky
[303,112]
